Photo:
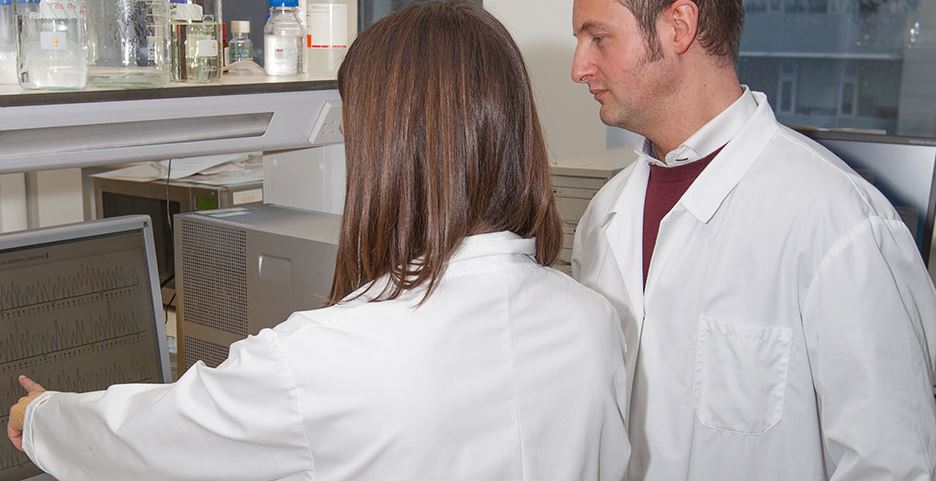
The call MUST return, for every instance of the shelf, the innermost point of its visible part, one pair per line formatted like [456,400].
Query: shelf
[42,130]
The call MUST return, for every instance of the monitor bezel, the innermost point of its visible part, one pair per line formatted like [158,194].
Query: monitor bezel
[109,226]
[863,137]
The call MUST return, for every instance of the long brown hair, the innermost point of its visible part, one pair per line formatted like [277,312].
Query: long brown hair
[442,142]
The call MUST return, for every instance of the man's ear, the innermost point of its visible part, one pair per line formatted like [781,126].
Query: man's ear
[681,20]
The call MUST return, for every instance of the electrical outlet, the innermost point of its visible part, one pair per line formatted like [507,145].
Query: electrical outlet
[327,127]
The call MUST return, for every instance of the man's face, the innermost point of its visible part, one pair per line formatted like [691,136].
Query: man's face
[613,59]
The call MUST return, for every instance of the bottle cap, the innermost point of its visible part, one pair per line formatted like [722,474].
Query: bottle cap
[240,26]
[284,3]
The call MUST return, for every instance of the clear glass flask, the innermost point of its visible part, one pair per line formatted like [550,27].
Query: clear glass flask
[196,51]
[51,46]
[128,42]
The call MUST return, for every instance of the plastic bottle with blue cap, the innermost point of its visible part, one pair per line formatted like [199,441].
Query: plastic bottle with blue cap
[283,38]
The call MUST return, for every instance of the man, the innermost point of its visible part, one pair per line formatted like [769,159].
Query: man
[776,307]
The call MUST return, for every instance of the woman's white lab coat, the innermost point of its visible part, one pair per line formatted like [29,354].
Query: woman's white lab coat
[510,371]
[787,325]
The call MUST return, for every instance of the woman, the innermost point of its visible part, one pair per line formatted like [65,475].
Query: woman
[448,350]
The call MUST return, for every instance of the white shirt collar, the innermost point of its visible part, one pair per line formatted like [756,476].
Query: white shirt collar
[713,135]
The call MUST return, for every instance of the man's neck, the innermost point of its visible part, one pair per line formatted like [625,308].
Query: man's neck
[695,105]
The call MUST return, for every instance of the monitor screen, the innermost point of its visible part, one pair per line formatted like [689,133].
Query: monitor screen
[79,310]
[903,169]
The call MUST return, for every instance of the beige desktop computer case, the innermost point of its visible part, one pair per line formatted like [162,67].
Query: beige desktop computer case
[242,269]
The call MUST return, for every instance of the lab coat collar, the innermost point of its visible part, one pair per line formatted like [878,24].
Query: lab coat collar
[493,244]
[713,185]
[471,247]
[712,136]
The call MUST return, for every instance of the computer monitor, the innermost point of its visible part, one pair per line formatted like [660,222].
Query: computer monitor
[902,168]
[80,310]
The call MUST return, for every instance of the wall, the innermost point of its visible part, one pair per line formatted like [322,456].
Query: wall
[543,31]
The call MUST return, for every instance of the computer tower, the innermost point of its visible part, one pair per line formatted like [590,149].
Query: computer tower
[242,269]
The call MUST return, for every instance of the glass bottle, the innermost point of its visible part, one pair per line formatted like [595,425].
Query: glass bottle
[51,46]
[7,43]
[195,47]
[129,42]
[282,39]
[240,46]
[326,37]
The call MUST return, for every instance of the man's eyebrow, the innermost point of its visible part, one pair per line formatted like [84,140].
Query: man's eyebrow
[592,25]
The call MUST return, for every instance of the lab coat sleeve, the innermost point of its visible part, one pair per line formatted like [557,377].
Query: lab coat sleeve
[867,315]
[239,422]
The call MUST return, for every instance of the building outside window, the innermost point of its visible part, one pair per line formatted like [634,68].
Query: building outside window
[846,64]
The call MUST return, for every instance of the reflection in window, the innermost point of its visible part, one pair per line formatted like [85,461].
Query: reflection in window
[857,64]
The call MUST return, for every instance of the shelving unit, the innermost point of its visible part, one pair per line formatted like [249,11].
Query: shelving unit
[55,130]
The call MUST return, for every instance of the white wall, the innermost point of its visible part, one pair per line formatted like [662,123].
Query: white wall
[543,31]
[13,203]
[55,197]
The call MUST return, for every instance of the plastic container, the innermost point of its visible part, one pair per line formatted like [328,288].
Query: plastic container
[240,46]
[51,46]
[128,42]
[326,37]
[283,39]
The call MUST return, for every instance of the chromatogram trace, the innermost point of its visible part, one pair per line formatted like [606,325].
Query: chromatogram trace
[70,379]
[83,280]
[41,333]
[79,370]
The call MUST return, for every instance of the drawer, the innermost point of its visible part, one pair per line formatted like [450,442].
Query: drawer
[574,192]
[568,240]
[571,209]
[566,255]
[593,183]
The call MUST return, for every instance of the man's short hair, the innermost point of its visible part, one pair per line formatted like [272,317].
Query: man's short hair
[719,31]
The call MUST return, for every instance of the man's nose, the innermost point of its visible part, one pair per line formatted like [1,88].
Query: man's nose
[581,67]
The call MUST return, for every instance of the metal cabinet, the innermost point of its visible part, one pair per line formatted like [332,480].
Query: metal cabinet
[576,180]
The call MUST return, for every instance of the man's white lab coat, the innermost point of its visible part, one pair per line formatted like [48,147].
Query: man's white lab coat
[510,371]
[787,323]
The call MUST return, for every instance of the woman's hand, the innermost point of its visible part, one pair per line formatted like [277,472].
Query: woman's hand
[18,411]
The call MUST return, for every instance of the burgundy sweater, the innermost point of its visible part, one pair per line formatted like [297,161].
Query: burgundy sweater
[664,189]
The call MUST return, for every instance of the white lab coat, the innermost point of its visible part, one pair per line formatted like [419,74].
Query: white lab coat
[510,371]
[787,323]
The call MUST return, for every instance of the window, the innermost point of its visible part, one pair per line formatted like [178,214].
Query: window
[851,64]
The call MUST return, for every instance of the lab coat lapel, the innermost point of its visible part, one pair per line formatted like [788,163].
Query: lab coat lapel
[624,234]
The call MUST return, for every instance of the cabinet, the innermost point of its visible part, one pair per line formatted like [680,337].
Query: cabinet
[576,179]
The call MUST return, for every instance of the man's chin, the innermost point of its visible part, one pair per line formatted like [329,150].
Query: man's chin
[609,118]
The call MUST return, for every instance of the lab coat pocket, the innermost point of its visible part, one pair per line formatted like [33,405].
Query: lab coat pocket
[740,376]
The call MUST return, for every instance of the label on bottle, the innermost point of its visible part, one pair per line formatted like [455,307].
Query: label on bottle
[281,55]
[185,12]
[327,26]
[61,8]
[206,48]
[53,40]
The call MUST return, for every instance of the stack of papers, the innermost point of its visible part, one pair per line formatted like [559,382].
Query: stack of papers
[226,169]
